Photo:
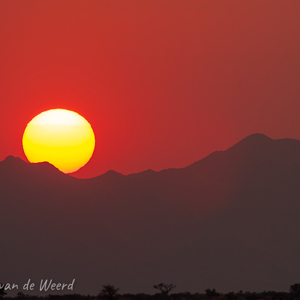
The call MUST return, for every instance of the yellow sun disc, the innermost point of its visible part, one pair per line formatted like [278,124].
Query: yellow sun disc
[61,137]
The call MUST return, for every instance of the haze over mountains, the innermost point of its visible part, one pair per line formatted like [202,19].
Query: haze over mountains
[229,221]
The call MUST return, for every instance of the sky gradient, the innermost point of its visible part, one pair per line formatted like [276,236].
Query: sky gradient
[162,83]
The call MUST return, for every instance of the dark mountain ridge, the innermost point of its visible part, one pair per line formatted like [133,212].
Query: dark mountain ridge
[229,221]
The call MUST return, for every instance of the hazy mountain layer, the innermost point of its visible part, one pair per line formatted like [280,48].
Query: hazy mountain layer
[229,221]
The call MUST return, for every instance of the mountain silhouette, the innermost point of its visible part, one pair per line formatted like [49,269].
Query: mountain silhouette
[229,221]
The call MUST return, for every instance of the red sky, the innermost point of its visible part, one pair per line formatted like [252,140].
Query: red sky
[163,83]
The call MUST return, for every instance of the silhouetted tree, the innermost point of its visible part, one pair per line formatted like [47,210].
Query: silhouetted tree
[164,289]
[211,293]
[250,296]
[109,291]
[231,296]
[2,290]
[295,289]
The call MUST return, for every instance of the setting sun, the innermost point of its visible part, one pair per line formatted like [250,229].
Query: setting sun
[61,137]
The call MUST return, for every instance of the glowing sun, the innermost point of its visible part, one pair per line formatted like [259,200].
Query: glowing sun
[61,137]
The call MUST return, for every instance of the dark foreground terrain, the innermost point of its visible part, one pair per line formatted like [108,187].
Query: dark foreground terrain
[270,295]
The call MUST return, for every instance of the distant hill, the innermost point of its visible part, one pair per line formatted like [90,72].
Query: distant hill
[229,221]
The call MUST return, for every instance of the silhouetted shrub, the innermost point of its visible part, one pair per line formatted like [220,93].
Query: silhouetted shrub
[108,291]
[295,289]
[211,293]
[164,288]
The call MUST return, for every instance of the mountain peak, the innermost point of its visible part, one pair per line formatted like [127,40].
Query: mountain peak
[256,137]
[18,167]
[45,164]
[111,174]
[253,141]
[13,161]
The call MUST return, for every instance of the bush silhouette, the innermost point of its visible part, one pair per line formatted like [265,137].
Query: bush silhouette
[211,293]
[295,289]
[109,291]
[164,288]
